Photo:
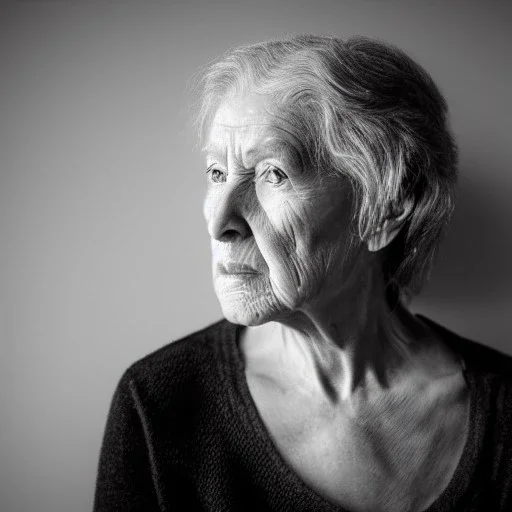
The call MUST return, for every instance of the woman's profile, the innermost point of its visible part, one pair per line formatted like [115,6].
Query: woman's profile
[331,176]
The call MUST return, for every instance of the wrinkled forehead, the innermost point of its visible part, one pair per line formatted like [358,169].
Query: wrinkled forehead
[250,122]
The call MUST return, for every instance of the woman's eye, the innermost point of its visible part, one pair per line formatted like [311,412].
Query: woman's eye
[216,175]
[274,175]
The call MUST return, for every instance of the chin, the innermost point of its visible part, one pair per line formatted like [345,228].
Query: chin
[247,305]
[244,312]
[241,317]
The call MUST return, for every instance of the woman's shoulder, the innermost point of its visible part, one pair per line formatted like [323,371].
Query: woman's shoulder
[182,350]
[183,367]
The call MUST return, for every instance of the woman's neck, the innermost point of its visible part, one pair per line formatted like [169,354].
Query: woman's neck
[353,344]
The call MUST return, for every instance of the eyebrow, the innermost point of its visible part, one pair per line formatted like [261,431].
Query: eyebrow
[269,146]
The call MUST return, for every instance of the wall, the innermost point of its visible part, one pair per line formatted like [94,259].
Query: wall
[104,253]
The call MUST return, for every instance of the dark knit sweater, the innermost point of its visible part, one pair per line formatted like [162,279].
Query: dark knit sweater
[183,434]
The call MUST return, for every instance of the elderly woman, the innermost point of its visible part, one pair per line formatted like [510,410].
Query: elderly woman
[331,176]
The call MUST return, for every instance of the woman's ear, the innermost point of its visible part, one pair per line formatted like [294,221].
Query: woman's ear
[390,227]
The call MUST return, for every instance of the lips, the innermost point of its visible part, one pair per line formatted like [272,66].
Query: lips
[233,268]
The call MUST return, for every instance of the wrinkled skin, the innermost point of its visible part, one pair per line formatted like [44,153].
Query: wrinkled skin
[361,399]
[265,208]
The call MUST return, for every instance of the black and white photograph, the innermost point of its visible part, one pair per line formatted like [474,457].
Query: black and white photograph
[256,256]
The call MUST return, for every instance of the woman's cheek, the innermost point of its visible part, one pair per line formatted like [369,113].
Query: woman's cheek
[281,236]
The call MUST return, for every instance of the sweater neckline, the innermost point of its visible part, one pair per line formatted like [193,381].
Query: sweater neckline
[266,459]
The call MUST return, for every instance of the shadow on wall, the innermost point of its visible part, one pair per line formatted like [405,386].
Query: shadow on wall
[474,259]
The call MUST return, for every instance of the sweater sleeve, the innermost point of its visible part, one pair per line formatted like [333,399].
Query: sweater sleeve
[124,478]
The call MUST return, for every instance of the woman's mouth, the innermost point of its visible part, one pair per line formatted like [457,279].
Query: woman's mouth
[234,268]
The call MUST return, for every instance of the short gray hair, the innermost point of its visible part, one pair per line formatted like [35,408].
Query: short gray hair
[364,109]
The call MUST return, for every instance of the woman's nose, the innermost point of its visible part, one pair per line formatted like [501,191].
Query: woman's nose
[224,215]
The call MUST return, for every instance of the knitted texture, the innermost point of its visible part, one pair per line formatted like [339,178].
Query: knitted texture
[183,434]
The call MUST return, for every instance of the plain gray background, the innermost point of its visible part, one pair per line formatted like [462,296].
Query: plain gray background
[104,254]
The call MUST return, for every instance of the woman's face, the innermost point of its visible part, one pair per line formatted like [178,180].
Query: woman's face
[279,231]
